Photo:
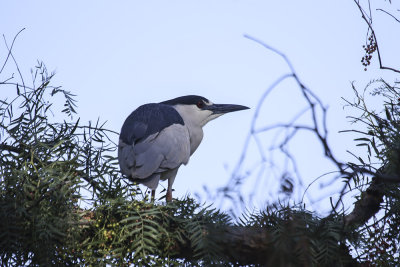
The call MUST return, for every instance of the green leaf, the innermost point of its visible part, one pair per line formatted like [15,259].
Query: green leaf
[388,116]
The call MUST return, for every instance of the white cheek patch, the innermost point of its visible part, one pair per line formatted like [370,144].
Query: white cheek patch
[209,103]
[194,116]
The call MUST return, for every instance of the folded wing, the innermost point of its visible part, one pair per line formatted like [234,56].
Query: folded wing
[153,141]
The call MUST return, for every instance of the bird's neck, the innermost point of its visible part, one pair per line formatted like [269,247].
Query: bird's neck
[193,126]
[196,135]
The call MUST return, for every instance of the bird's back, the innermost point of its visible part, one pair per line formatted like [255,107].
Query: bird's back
[147,120]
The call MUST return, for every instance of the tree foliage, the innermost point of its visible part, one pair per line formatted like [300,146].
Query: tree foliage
[63,200]
[380,238]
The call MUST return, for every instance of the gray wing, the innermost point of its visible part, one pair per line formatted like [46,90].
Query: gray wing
[143,158]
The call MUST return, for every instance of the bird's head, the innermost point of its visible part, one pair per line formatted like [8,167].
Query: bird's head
[198,110]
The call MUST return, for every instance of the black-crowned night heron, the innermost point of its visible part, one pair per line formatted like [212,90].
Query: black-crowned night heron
[157,138]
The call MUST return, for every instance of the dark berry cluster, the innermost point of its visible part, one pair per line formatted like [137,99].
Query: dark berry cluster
[369,50]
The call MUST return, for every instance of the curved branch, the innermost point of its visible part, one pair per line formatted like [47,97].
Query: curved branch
[384,11]
[9,49]
[367,206]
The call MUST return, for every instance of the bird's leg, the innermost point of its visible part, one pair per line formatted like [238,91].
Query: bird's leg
[171,178]
[153,195]
[168,196]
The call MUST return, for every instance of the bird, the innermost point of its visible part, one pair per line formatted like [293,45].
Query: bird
[157,138]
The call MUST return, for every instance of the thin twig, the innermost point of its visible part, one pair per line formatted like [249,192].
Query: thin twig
[12,56]
[10,49]
[318,127]
[384,11]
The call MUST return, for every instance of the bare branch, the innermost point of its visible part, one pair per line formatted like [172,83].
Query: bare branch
[12,56]
[318,128]
[9,49]
[367,206]
[384,11]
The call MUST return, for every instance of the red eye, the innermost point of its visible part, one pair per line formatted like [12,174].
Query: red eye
[200,104]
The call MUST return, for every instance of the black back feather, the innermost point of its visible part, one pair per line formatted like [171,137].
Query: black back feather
[147,120]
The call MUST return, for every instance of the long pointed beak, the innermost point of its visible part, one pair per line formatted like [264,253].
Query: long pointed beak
[224,108]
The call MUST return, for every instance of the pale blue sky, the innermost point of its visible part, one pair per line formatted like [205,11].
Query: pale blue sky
[117,55]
